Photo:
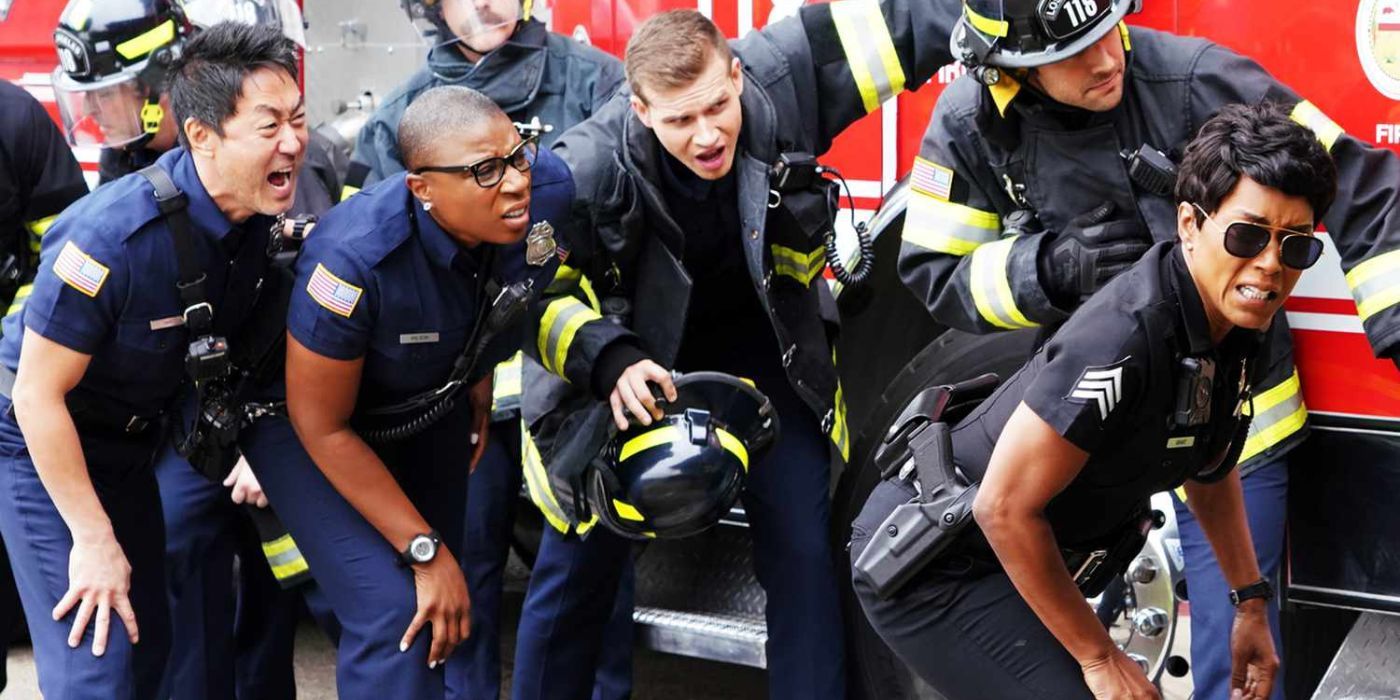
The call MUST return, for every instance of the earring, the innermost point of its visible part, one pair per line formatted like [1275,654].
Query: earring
[427,206]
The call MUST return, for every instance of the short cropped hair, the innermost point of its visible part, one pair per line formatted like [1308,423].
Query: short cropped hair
[437,114]
[672,49]
[207,79]
[1259,141]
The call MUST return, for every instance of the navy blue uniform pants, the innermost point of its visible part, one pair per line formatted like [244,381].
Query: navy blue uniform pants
[232,637]
[1212,615]
[491,504]
[962,626]
[362,576]
[786,498]
[39,545]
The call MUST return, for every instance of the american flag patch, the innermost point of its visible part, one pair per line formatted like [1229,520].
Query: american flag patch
[79,270]
[931,179]
[337,295]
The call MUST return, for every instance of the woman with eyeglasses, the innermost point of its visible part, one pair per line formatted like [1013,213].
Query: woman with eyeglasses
[1144,389]
[389,354]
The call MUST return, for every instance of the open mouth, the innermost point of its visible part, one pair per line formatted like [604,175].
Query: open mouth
[516,213]
[280,179]
[1256,294]
[711,159]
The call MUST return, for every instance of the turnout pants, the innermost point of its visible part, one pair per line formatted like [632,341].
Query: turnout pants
[39,545]
[786,498]
[361,575]
[961,625]
[1212,615]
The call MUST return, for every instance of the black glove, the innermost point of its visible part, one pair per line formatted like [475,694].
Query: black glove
[1092,249]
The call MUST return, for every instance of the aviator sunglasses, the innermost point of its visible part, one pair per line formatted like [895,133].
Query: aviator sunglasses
[1243,239]
[490,171]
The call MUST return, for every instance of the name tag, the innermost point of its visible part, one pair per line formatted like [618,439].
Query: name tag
[418,338]
[1174,443]
[161,324]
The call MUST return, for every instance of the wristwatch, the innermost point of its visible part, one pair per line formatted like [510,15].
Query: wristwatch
[1259,589]
[422,548]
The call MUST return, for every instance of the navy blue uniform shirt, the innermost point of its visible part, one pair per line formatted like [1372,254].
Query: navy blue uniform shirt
[1108,381]
[380,279]
[106,286]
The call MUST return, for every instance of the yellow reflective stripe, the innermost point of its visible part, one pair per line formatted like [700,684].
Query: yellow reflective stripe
[537,483]
[734,446]
[505,380]
[283,572]
[278,546]
[869,50]
[991,290]
[986,25]
[284,558]
[1326,130]
[840,436]
[150,41]
[1375,284]
[945,227]
[1004,91]
[1278,413]
[565,278]
[648,440]
[803,267]
[39,227]
[347,192]
[1127,46]
[584,527]
[562,319]
[20,295]
[627,511]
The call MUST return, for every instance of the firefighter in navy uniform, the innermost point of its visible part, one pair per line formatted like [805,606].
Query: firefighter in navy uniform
[112,86]
[408,293]
[682,264]
[498,48]
[103,345]
[1145,388]
[1046,170]
[38,179]
[550,82]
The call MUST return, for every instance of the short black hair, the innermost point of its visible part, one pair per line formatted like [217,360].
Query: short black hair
[1261,142]
[207,79]
[438,113]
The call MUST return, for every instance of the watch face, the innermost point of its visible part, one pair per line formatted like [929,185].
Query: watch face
[422,549]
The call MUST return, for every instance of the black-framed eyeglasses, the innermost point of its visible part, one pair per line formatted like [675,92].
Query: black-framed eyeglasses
[490,171]
[1243,239]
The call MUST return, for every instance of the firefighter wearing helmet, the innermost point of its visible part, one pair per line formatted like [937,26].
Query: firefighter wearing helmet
[1049,169]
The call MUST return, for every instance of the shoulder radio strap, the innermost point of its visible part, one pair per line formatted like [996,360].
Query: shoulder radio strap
[174,205]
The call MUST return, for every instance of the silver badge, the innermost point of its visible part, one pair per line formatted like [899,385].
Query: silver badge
[539,244]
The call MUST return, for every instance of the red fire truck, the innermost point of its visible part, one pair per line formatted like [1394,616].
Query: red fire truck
[697,596]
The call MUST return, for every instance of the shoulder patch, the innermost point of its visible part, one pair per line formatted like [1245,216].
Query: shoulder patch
[79,270]
[335,294]
[931,179]
[1101,386]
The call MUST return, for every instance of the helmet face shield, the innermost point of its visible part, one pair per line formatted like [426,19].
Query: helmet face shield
[105,114]
[482,26]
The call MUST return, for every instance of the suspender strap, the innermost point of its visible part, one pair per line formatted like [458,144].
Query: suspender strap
[199,315]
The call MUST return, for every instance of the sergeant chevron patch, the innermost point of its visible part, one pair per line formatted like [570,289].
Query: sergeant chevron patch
[1100,386]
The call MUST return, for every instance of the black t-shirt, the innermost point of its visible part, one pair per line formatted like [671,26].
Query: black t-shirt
[1108,381]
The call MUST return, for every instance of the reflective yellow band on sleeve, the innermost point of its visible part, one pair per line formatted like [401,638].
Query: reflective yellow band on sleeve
[505,380]
[945,227]
[137,47]
[991,290]
[284,558]
[1326,130]
[1278,412]
[734,446]
[565,278]
[627,511]
[986,25]
[803,267]
[869,50]
[537,483]
[562,319]
[840,435]
[1375,284]
[20,295]
[39,227]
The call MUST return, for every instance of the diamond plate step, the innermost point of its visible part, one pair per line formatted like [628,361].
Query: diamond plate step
[733,639]
[1368,664]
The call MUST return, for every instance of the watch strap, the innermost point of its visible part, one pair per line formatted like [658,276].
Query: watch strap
[1259,589]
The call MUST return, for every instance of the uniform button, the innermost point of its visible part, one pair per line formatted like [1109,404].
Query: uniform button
[787,355]
[768,281]
[753,235]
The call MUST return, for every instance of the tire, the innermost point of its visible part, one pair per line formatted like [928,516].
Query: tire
[874,672]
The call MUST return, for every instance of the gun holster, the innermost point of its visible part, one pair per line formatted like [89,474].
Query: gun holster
[916,532]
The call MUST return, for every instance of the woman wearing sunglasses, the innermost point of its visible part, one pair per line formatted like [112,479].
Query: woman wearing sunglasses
[393,289]
[1144,389]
